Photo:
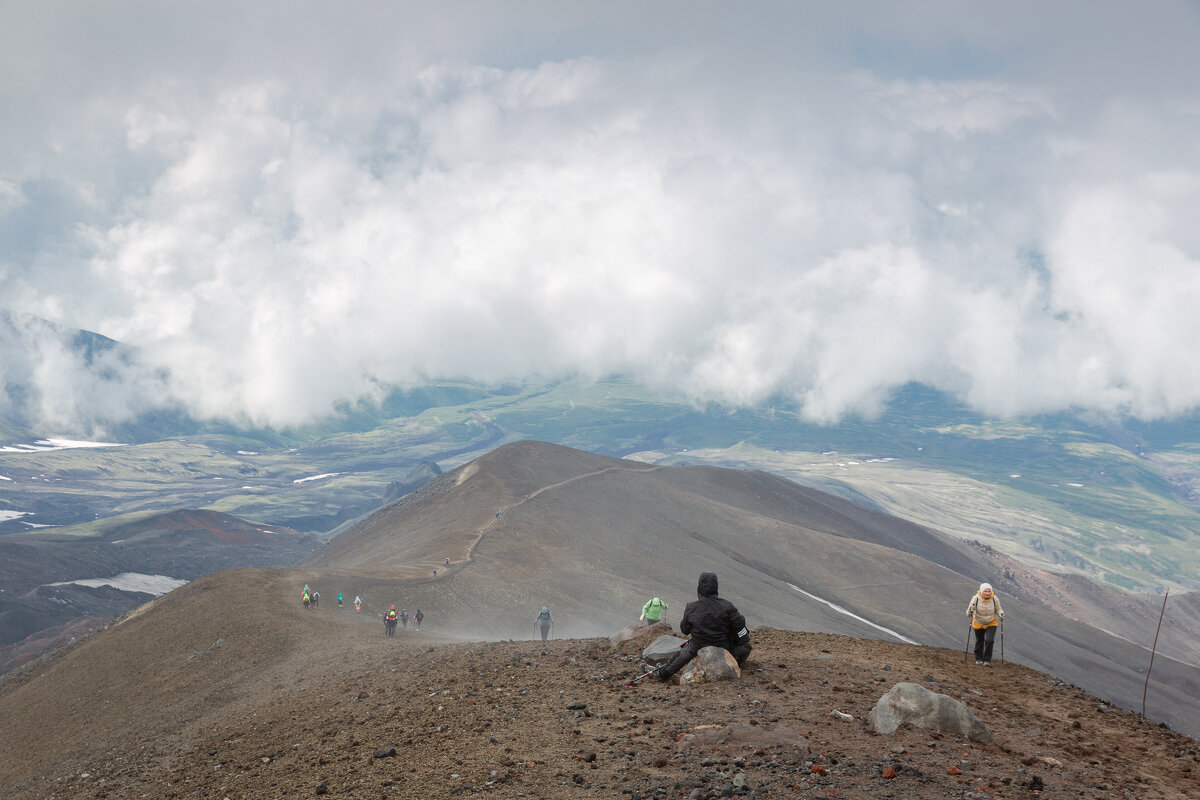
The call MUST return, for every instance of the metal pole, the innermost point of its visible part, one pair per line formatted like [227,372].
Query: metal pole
[1153,650]
[1002,641]
[967,649]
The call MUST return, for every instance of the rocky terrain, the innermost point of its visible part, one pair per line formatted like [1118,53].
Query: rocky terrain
[228,688]
[319,702]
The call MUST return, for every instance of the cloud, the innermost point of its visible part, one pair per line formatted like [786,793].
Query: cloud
[722,219]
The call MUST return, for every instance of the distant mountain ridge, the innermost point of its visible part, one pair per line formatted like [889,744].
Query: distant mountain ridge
[36,612]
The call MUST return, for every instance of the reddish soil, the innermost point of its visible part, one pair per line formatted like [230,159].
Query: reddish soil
[228,689]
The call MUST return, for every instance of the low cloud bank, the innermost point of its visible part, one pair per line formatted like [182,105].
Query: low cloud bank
[728,230]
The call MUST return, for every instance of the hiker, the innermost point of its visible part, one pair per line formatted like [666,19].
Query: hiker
[404,617]
[305,598]
[390,621]
[340,598]
[447,561]
[544,620]
[316,598]
[652,611]
[711,621]
[985,613]
[417,618]
[357,604]
[307,590]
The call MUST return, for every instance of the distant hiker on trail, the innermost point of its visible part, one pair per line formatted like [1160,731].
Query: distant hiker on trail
[985,613]
[712,622]
[357,604]
[545,621]
[652,611]
[447,561]
[417,618]
[389,621]
[316,598]
[307,590]
[305,598]
[404,617]
[340,598]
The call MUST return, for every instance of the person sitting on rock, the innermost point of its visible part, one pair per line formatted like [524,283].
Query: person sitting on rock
[712,622]
[652,611]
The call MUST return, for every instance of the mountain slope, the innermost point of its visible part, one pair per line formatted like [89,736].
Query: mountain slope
[228,688]
[594,537]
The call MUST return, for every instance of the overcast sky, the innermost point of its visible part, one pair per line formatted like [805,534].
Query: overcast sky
[286,205]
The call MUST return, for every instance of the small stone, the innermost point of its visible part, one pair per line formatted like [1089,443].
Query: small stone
[889,773]
[590,757]
[385,752]
[323,787]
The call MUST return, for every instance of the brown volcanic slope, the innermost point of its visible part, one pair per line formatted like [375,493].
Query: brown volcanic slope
[188,695]
[598,536]
[228,688]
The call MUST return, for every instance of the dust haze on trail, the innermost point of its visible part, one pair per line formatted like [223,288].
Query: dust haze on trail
[283,209]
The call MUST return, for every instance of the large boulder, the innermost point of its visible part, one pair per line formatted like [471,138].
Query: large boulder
[913,704]
[711,664]
[631,632]
[662,650]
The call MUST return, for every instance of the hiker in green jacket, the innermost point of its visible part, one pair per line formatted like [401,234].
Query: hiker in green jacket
[652,611]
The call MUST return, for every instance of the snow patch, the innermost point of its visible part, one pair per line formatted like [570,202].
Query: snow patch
[46,445]
[131,582]
[316,477]
[5,478]
[5,516]
[1076,485]
[247,452]
[851,614]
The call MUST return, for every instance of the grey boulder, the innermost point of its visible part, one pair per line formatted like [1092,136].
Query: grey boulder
[913,704]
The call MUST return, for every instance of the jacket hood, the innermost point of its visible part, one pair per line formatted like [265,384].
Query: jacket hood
[707,587]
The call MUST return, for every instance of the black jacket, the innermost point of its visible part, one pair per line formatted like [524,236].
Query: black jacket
[712,620]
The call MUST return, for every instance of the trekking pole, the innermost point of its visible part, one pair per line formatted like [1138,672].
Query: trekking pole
[1002,661]
[643,675]
[967,649]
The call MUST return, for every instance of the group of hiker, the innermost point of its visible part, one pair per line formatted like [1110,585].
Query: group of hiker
[393,616]
[712,621]
[310,596]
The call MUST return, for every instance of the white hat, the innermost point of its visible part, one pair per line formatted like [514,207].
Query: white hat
[985,587]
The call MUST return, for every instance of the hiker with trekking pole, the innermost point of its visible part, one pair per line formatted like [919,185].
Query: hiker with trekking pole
[986,618]
[545,621]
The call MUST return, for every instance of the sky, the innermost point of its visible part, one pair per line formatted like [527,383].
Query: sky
[286,206]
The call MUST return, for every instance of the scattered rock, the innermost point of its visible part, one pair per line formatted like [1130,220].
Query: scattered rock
[746,734]
[913,704]
[710,664]
[386,752]
[638,631]
[323,787]
[662,650]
